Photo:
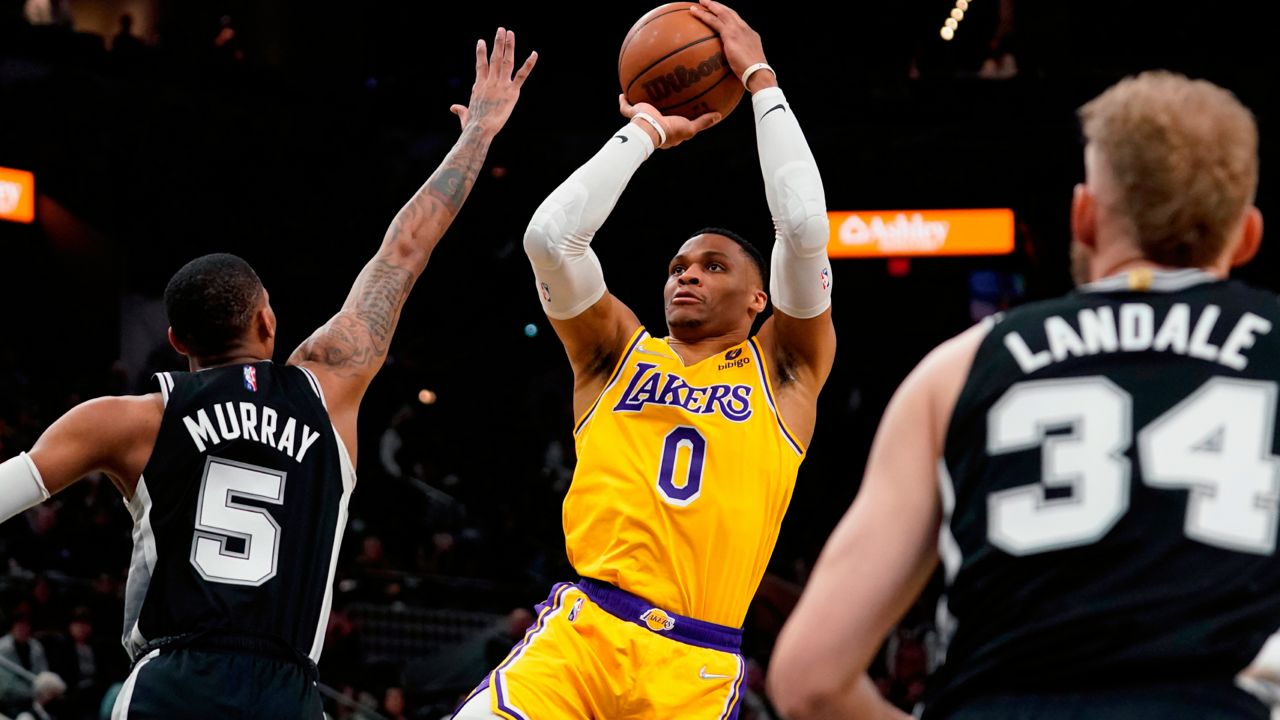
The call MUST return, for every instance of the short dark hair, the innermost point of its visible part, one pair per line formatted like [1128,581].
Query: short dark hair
[753,252]
[211,301]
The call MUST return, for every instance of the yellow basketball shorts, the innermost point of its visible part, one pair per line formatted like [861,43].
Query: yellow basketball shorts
[598,652]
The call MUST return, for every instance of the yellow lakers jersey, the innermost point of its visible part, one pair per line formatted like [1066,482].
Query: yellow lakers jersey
[683,476]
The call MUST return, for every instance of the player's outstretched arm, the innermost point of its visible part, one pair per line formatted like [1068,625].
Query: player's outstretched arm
[348,351]
[799,337]
[879,557]
[108,434]
[593,324]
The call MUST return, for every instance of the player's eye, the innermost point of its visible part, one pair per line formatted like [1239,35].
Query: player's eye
[677,269]
[715,266]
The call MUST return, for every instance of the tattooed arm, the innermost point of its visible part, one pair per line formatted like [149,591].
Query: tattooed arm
[349,350]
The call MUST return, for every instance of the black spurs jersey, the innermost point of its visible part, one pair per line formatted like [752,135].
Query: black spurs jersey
[1110,491]
[240,511]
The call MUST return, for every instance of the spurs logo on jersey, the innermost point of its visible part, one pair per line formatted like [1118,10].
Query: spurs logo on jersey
[677,464]
[1112,492]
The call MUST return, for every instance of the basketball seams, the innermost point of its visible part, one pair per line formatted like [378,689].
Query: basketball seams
[631,35]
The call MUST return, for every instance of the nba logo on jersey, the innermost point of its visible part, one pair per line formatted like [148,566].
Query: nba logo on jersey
[577,608]
[826,278]
[657,620]
[546,292]
[250,378]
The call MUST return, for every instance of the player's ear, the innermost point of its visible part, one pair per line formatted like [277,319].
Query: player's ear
[759,301]
[266,319]
[1084,216]
[178,345]
[1250,237]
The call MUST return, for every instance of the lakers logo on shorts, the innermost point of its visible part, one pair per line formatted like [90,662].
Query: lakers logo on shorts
[657,620]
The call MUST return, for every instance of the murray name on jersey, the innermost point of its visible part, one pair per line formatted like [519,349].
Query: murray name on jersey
[1135,327]
[248,421]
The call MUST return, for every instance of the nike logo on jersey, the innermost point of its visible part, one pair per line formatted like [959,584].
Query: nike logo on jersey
[660,388]
[711,676]
[654,352]
[779,106]
[242,420]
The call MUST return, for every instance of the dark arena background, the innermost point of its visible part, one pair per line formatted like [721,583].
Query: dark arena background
[290,133]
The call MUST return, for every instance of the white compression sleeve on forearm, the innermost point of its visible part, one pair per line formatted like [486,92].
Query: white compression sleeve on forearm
[800,281]
[21,487]
[558,239]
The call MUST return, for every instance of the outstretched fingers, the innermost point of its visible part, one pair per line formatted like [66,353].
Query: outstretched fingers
[523,73]
[499,48]
[508,53]
[482,61]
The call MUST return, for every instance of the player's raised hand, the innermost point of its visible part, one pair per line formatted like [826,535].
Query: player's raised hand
[677,128]
[496,90]
[742,46]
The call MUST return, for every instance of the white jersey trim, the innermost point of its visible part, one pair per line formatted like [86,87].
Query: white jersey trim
[1161,281]
[315,385]
[166,386]
[348,485]
[141,567]
[120,711]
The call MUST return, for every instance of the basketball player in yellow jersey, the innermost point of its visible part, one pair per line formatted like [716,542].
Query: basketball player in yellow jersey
[688,444]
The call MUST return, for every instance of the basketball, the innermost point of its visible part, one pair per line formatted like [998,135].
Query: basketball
[673,61]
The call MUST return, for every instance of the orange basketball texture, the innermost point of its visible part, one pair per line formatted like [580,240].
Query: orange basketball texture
[673,61]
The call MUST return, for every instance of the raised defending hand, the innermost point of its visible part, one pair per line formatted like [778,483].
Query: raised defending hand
[495,91]
[676,128]
[742,47]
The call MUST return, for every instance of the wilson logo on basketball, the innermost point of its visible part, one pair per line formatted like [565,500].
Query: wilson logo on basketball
[682,78]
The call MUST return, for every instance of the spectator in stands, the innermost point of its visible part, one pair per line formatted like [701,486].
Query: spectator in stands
[125,44]
[393,705]
[47,693]
[19,648]
[81,664]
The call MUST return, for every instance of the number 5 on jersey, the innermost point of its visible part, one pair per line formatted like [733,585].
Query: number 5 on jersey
[221,516]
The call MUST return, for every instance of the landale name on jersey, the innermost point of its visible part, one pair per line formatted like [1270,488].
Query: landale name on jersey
[732,401]
[1131,327]
[236,420]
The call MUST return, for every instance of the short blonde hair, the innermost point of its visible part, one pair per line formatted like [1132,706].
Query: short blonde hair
[1184,157]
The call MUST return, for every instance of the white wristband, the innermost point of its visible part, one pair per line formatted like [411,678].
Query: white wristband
[21,487]
[746,74]
[662,135]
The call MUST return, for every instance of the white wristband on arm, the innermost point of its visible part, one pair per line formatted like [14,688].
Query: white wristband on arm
[752,69]
[657,126]
[21,487]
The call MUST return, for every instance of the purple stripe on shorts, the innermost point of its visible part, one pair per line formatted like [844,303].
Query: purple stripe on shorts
[735,698]
[625,606]
[544,610]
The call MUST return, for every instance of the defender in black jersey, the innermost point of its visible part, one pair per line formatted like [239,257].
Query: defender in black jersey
[1097,474]
[238,473]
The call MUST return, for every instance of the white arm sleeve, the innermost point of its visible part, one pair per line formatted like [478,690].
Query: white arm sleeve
[21,486]
[558,239]
[800,275]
